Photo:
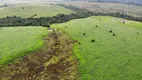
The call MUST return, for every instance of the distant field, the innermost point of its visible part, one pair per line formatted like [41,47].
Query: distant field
[18,41]
[107,49]
[132,10]
[1,4]
[30,10]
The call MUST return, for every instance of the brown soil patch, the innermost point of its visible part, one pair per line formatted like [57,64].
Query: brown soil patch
[53,62]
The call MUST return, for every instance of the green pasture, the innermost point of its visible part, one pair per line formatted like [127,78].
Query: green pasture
[16,42]
[30,10]
[108,48]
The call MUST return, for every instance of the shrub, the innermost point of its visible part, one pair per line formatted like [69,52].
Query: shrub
[137,32]
[123,22]
[113,34]
[22,7]
[110,31]
[93,40]
[84,34]
[53,30]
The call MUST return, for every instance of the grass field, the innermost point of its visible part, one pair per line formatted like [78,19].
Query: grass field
[16,42]
[107,49]
[32,10]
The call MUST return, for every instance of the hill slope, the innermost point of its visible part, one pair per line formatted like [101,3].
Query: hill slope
[108,48]
[33,10]
[132,10]
[16,42]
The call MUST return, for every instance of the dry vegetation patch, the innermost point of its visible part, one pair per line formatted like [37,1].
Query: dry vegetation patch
[53,62]
[132,10]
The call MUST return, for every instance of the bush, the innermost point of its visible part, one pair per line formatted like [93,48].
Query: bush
[137,32]
[113,34]
[84,34]
[123,22]
[93,40]
[22,7]
[110,31]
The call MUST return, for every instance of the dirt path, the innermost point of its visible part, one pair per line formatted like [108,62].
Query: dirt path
[53,62]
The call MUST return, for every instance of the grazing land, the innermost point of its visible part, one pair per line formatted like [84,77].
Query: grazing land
[91,48]
[33,10]
[108,48]
[132,10]
[17,42]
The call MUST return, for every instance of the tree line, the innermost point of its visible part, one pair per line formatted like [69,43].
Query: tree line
[116,14]
[59,18]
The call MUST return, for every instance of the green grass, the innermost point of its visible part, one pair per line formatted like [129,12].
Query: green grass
[30,10]
[110,57]
[16,42]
